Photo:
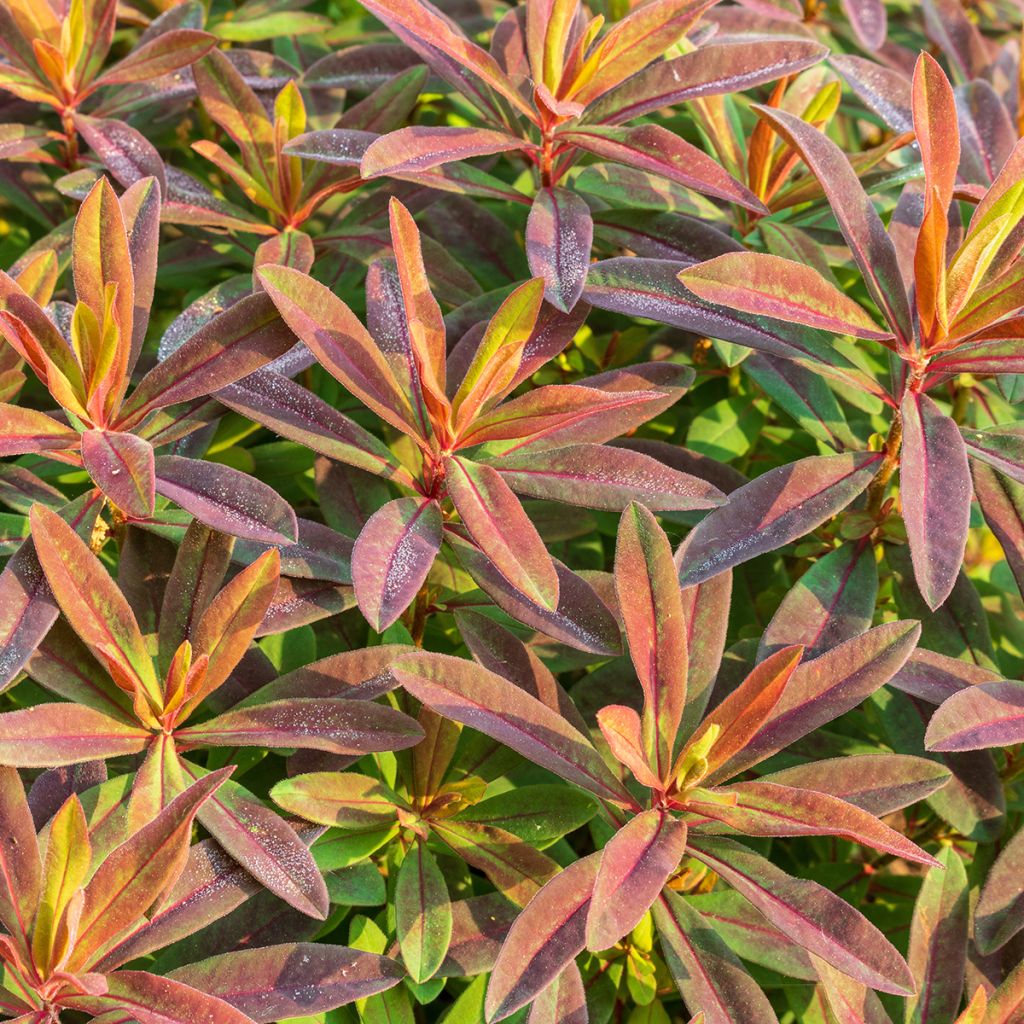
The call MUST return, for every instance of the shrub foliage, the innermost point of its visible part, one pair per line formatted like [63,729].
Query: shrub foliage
[511,511]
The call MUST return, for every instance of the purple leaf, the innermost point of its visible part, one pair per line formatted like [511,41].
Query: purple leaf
[392,557]
[984,715]
[635,865]
[226,499]
[774,509]
[999,914]
[122,466]
[935,489]
[559,232]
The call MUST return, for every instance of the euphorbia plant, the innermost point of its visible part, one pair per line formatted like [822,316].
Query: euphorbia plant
[55,56]
[131,703]
[81,900]
[555,88]
[105,429]
[475,441]
[681,801]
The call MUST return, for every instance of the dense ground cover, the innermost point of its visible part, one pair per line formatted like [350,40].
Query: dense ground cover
[512,512]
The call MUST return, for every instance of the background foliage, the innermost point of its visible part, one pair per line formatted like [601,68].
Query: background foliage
[512,512]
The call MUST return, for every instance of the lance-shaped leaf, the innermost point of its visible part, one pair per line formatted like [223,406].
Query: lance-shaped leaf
[468,693]
[829,686]
[27,430]
[935,489]
[423,913]
[999,914]
[650,147]
[333,724]
[1001,447]
[809,914]
[559,232]
[139,871]
[740,715]
[879,783]
[501,529]
[122,467]
[339,341]
[342,800]
[1002,502]
[226,499]
[711,70]
[871,246]
[582,619]
[295,413]
[20,869]
[170,50]
[935,125]
[293,980]
[635,865]
[27,608]
[768,809]
[938,941]
[782,289]
[268,847]
[598,476]
[775,508]
[832,602]
[651,607]
[149,999]
[246,336]
[546,936]
[392,557]
[707,972]
[420,147]
[97,610]
[984,715]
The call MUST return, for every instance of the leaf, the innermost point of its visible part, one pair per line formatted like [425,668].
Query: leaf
[871,246]
[768,809]
[711,70]
[705,969]
[501,528]
[137,872]
[935,489]
[166,52]
[559,232]
[342,800]
[938,941]
[27,430]
[263,843]
[94,606]
[20,867]
[333,724]
[652,612]
[392,556]
[809,914]
[783,289]
[774,509]
[534,813]
[421,147]
[423,913]
[290,980]
[470,694]
[546,936]
[339,341]
[598,476]
[650,147]
[983,715]
[122,467]
[1002,503]
[635,865]
[149,999]
[247,335]
[878,783]
[997,915]
[226,500]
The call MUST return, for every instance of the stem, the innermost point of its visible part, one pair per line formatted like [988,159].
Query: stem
[70,140]
[420,614]
[876,492]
